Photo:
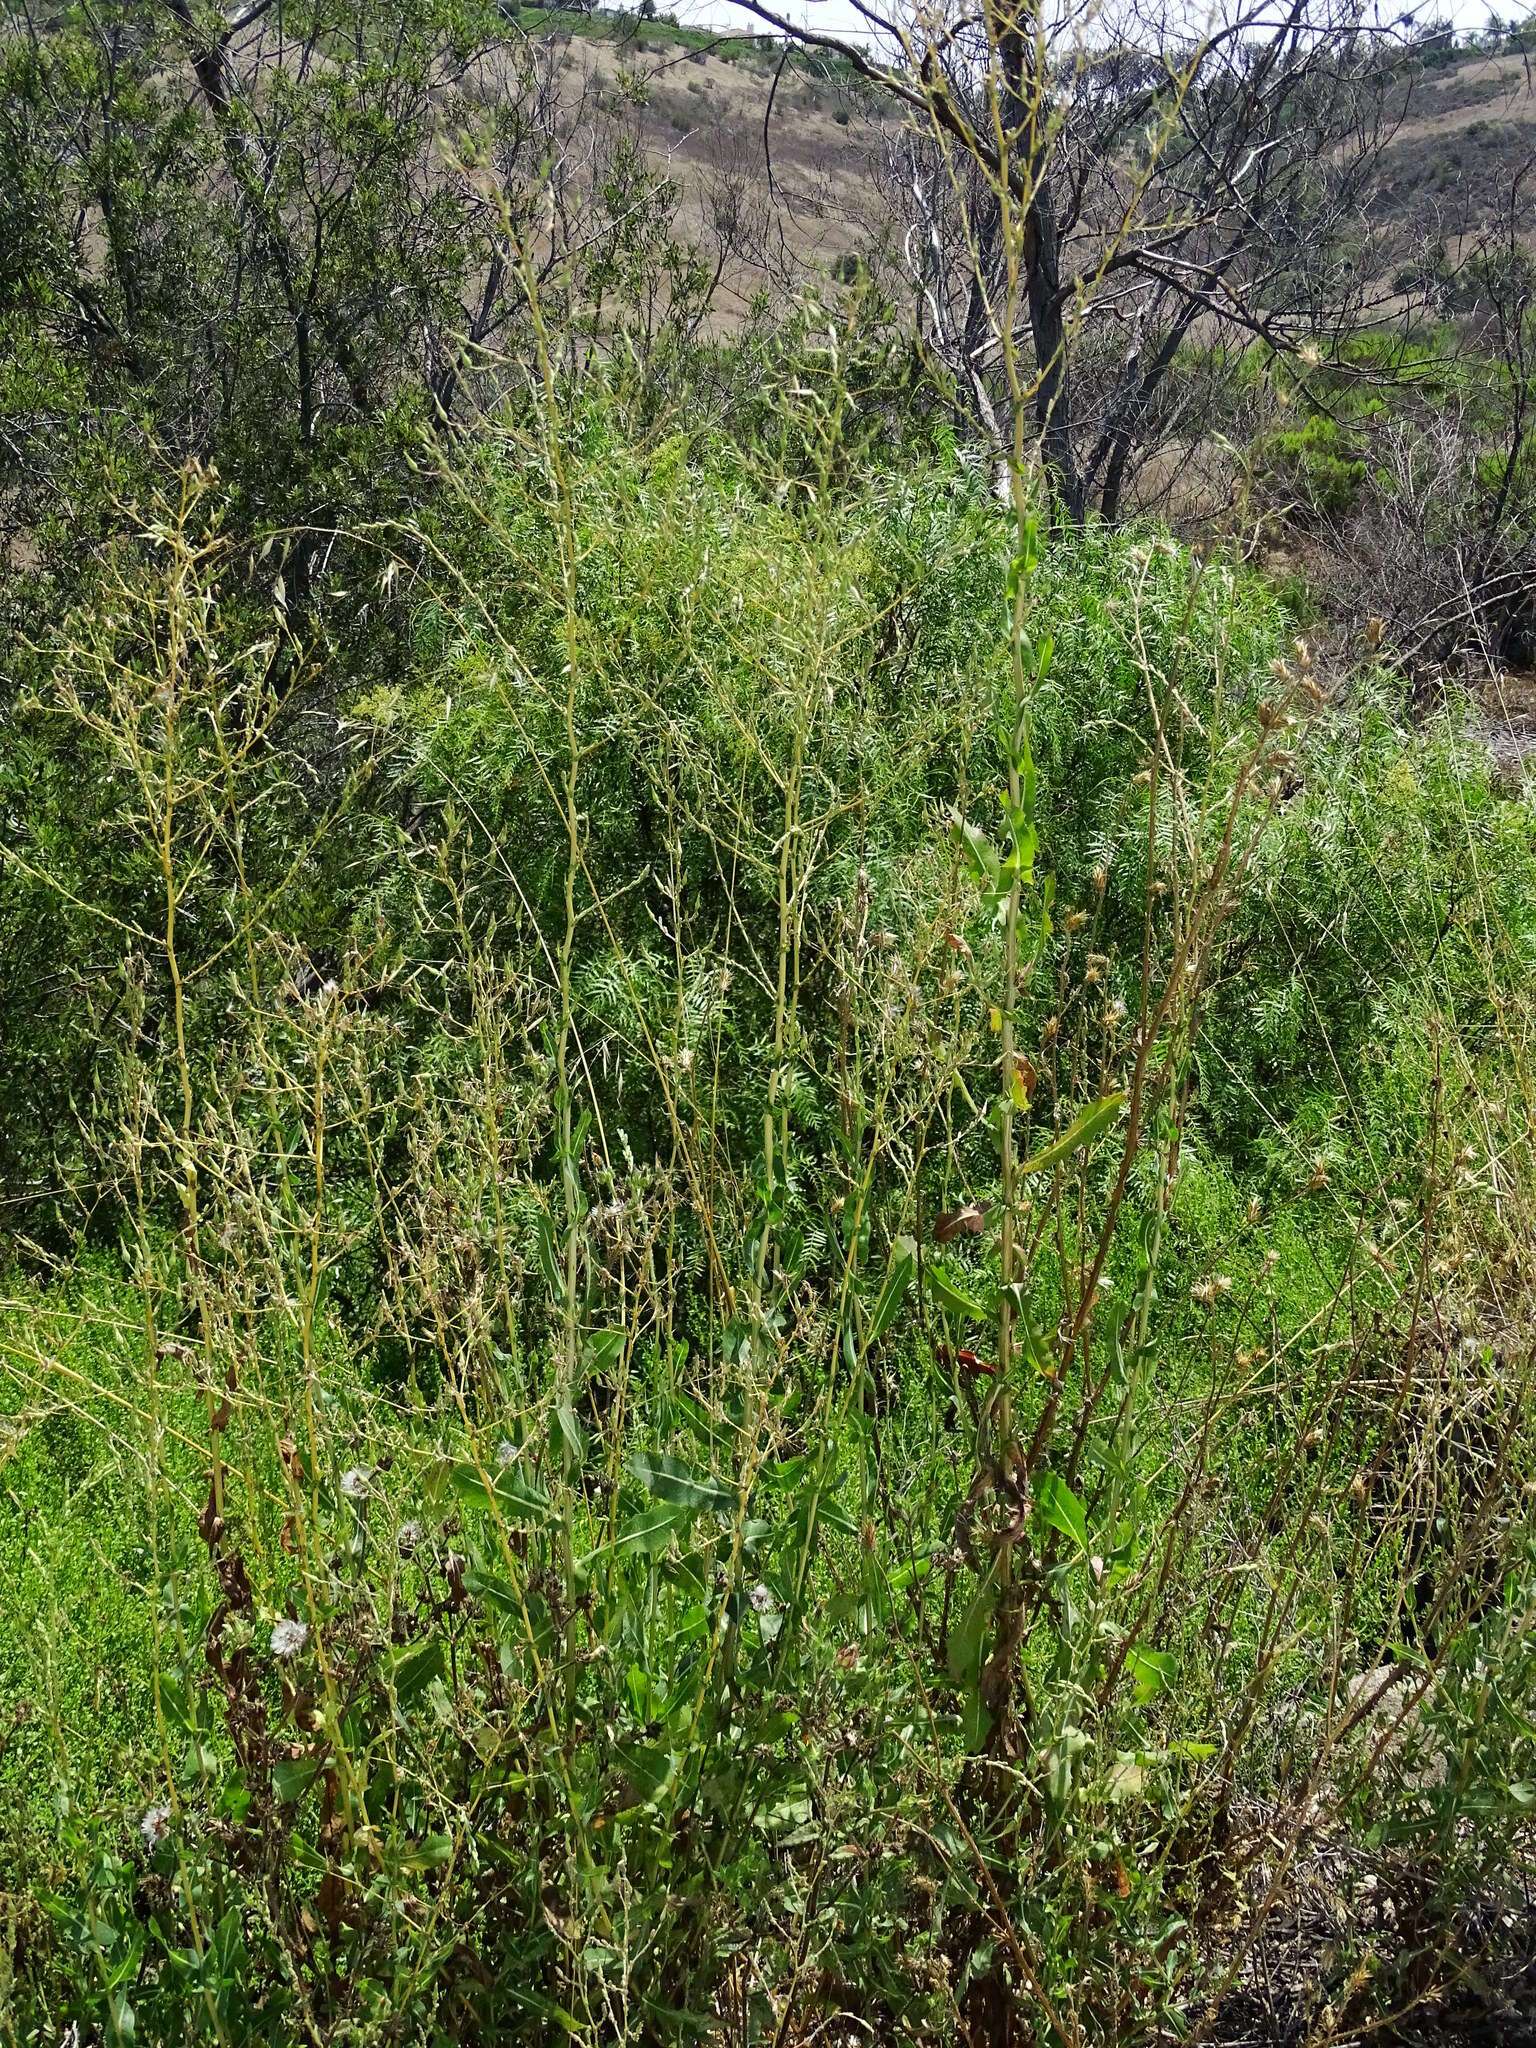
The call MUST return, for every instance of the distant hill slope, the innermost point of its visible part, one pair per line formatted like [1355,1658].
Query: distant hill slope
[1471,128]
[702,101]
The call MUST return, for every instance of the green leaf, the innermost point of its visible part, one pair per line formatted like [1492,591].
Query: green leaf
[982,854]
[948,1295]
[604,1349]
[908,1574]
[1039,1355]
[707,1425]
[502,1598]
[1153,1671]
[975,1721]
[1061,1509]
[645,1534]
[566,1439]
[228,1945]
[787,1474]
[690,1574]
[533,2003]
[650,1769]
[411,1670]
[897,1281]
[1082,1131]
[831,1516]
[549,1263]
[515,1494]
[496,1592]
[669,1480]
[430,1853]
[293,1776]
[1062,1760]
[173,1702]
[965,1638]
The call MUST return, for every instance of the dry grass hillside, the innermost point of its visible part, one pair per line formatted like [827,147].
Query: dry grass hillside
[803,153]
[823,161]
[1470,130]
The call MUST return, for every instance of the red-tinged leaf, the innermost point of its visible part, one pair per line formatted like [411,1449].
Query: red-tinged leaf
[970,1219]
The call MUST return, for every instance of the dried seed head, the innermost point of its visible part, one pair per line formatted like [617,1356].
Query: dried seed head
[288,1638]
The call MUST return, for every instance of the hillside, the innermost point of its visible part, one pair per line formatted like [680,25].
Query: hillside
[813,176]
[1461,132]
[1470,132]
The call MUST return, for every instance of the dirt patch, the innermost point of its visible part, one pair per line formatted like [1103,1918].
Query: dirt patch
[1506,711]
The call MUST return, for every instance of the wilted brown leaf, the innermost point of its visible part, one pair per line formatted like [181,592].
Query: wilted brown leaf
[970,1219]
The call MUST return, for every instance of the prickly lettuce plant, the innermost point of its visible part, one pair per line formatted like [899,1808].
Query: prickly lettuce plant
[693,1415]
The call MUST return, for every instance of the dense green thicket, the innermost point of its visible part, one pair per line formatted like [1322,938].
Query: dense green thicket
[515,1519]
